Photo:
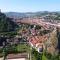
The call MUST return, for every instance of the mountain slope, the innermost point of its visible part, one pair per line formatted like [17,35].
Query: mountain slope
[6,24]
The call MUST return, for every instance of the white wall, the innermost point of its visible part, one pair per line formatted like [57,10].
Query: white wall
[17,59]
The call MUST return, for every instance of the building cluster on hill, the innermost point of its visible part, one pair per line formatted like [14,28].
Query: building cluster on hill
[35,33]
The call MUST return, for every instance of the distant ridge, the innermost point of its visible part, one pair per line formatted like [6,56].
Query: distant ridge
[32,14]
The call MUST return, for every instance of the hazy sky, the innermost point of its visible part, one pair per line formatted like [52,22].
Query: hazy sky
[29,5]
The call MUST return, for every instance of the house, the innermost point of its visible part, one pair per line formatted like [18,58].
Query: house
[37,42]
[33,31]
[19,56]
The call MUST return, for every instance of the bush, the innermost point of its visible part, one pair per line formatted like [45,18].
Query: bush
[37,55]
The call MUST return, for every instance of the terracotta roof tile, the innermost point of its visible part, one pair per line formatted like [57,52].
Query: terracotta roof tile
[38,39]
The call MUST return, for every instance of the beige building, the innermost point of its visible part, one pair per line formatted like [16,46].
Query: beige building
[1,58]
[19,56]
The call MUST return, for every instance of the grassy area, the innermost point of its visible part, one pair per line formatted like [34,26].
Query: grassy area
[33,57]
[59,57]
[44,57]
[23,48]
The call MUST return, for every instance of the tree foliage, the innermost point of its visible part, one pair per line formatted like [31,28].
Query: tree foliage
[6,24]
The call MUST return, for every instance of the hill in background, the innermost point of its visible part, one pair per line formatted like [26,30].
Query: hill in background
[52,15]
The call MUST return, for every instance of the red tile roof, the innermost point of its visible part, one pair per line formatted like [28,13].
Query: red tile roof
[38,39]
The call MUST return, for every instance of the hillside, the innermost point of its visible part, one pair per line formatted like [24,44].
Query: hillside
[6,24]
[46,14]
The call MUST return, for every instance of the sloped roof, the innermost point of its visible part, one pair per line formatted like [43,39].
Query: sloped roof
[15,56]
[38,39]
